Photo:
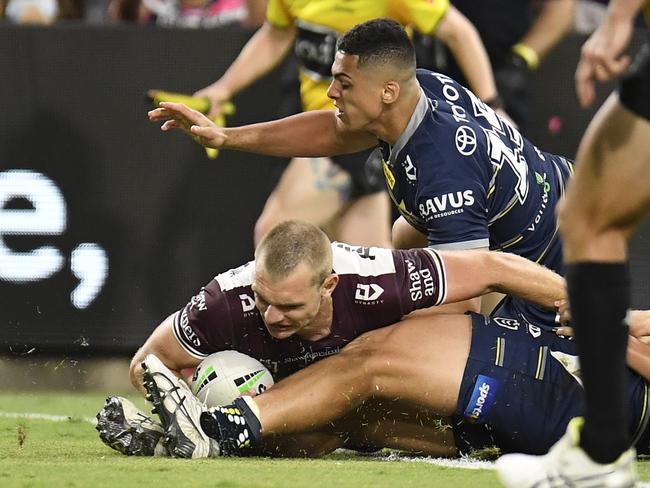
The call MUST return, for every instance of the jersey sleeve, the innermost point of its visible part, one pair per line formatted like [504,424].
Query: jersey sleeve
[421,279]
[424,15]
[199,327]
[278,14]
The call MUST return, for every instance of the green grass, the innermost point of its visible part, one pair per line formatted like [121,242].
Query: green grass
[70,454]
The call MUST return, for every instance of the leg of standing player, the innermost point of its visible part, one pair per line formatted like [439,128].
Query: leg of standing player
[607,199]
[604,204]
[317,190]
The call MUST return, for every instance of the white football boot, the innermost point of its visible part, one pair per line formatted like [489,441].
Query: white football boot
[127,429]
[567,465]
[179,411]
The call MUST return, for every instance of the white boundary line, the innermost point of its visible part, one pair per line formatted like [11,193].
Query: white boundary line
[45,416]
[463,463]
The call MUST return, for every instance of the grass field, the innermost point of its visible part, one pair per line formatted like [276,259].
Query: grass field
[62,449]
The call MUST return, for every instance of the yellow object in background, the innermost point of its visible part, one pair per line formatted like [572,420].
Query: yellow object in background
[200,104]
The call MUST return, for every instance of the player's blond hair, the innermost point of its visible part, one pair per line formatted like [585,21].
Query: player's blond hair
[292,243]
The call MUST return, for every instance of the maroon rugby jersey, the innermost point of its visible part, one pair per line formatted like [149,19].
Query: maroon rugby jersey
[377,287]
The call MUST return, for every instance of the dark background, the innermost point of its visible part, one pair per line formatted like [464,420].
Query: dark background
[73,108]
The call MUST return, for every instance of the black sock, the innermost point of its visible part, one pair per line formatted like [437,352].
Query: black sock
[234,426]
[599,294]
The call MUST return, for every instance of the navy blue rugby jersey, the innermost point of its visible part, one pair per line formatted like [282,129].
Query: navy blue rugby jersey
[376,288]
[467,178]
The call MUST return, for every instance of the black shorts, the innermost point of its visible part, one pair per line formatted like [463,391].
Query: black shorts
[517,395]
[365,169]
[635,85]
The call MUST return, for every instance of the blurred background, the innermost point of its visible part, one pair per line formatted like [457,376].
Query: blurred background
[107,225]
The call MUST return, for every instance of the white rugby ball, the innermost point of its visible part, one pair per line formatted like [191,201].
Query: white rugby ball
[226,375]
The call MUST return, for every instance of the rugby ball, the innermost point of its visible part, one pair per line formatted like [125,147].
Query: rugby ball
[226,375]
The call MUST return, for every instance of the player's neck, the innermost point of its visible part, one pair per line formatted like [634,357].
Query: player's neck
[393,121]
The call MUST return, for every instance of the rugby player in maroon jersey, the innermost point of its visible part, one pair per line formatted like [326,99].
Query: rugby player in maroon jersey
[304,298]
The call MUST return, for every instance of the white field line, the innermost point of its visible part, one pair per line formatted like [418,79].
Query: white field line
[463,463]
[44,416]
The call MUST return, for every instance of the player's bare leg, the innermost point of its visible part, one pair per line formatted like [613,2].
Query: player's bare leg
[420,361]
[310,189]
[365,221]
[405,236]
[374,425]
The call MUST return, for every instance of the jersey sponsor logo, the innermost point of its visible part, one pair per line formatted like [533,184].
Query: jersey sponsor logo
[451,94]
[315,48]
[507,323]
[421,281]
[311,356]
[546,188]
[368,293]
[410,169]
[482,399]
[189,334]
[247,303]
[447,204]
[198,301]
[465,140]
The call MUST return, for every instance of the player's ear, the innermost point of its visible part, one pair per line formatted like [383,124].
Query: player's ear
[390,93]
[329,285]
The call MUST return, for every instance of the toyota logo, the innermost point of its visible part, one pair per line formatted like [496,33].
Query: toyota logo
[465,140]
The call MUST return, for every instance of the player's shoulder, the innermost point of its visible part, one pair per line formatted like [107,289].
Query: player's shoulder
[240,277]
[362,261]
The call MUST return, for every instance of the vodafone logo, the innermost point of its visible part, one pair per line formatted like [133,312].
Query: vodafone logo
[45,215]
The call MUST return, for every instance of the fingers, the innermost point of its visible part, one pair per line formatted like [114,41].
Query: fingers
[564,331]
[584,83]
[170,124]
[206,133]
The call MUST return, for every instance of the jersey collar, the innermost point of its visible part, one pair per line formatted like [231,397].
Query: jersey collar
[414,122]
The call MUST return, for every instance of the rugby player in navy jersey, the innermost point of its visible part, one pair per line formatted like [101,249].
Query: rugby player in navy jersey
[461,176]
[304,299]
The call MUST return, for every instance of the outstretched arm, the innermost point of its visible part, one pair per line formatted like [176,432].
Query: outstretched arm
[309,134]
[477,272]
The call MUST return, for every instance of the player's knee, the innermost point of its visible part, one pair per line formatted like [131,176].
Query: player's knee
[364,357]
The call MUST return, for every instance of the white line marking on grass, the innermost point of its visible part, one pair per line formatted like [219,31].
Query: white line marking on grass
[45,416]
[462,463]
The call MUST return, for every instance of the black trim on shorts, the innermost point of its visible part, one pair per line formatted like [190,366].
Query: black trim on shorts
[634,90]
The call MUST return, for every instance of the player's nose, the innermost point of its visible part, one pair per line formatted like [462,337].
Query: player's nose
[332,91]
[272,315]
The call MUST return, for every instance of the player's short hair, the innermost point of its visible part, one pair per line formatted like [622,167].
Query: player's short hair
[292,243]
[379,41]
